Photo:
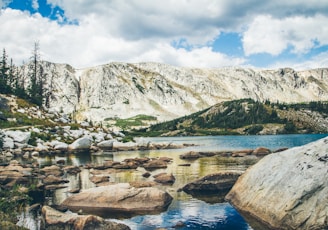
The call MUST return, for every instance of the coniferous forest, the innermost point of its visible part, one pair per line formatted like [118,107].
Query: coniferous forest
[14,81]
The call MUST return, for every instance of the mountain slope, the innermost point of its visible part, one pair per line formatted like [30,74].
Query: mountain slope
[125,90]
[247,116]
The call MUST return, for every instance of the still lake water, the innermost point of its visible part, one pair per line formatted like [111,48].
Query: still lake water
[201,213]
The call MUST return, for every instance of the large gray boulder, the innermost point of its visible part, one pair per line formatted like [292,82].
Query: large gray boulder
[58,145]
[54,220]
[81,144]
[287,190]
[106,145]
[19,136]
[119,198]
[8,143]
[121,146]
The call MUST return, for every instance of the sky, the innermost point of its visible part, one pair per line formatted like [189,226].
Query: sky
[191,33]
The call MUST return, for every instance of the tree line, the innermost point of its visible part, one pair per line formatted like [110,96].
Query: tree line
[30,86]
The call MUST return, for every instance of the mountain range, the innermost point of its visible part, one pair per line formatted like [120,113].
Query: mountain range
[123,90]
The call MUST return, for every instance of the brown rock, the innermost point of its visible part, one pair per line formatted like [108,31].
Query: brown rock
[72,169]
[99,179]
[186,164]
[127,165]
[146,174]
[54,186]
[58,220]
[190,155]
[166,159]
[142,160]
[242,153]
[213,183]
[119,198]
[74,190]
[164,178]
[261,151]
[142,184]
[52,170]
[155,164]
[51,179]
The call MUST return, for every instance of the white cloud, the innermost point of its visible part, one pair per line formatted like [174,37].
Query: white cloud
[35,4]
[4,3]
[271,35]
[142,30]
[199,57]
[92,43]
[318,61]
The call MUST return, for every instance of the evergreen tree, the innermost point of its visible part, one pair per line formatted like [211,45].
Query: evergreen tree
[36,77]
[4,86]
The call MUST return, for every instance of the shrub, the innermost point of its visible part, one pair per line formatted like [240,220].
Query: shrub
[35,136]
[12,202]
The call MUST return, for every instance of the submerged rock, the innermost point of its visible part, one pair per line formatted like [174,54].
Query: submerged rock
[119,198]
[155,164]
[165,178]
[190,155]
[287,190]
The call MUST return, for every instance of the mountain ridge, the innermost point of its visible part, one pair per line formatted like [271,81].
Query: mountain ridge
[121,90]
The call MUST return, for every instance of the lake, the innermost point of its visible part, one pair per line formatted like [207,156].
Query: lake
[195,213]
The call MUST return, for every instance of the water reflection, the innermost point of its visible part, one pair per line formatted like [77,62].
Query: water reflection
[193,214]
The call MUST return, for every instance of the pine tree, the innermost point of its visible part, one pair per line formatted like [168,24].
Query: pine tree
[4,86]
[36,77]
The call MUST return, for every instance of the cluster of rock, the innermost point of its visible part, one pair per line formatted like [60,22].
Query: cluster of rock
[83,139]
[134,198]
[258,152]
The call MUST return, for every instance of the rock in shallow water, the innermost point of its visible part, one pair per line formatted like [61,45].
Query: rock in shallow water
[287,190]
[213,183]
[59,220]
[119,198]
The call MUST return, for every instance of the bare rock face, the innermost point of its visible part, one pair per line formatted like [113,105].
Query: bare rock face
[125,90]
[119,198]
[287,190]
[59,220]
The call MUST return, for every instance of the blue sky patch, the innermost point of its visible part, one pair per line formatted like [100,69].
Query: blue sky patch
[46,10]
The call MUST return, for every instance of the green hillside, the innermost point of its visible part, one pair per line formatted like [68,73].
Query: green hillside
[247,117]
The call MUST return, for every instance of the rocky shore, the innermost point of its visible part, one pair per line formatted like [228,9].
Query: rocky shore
[63,139]
[34,179]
